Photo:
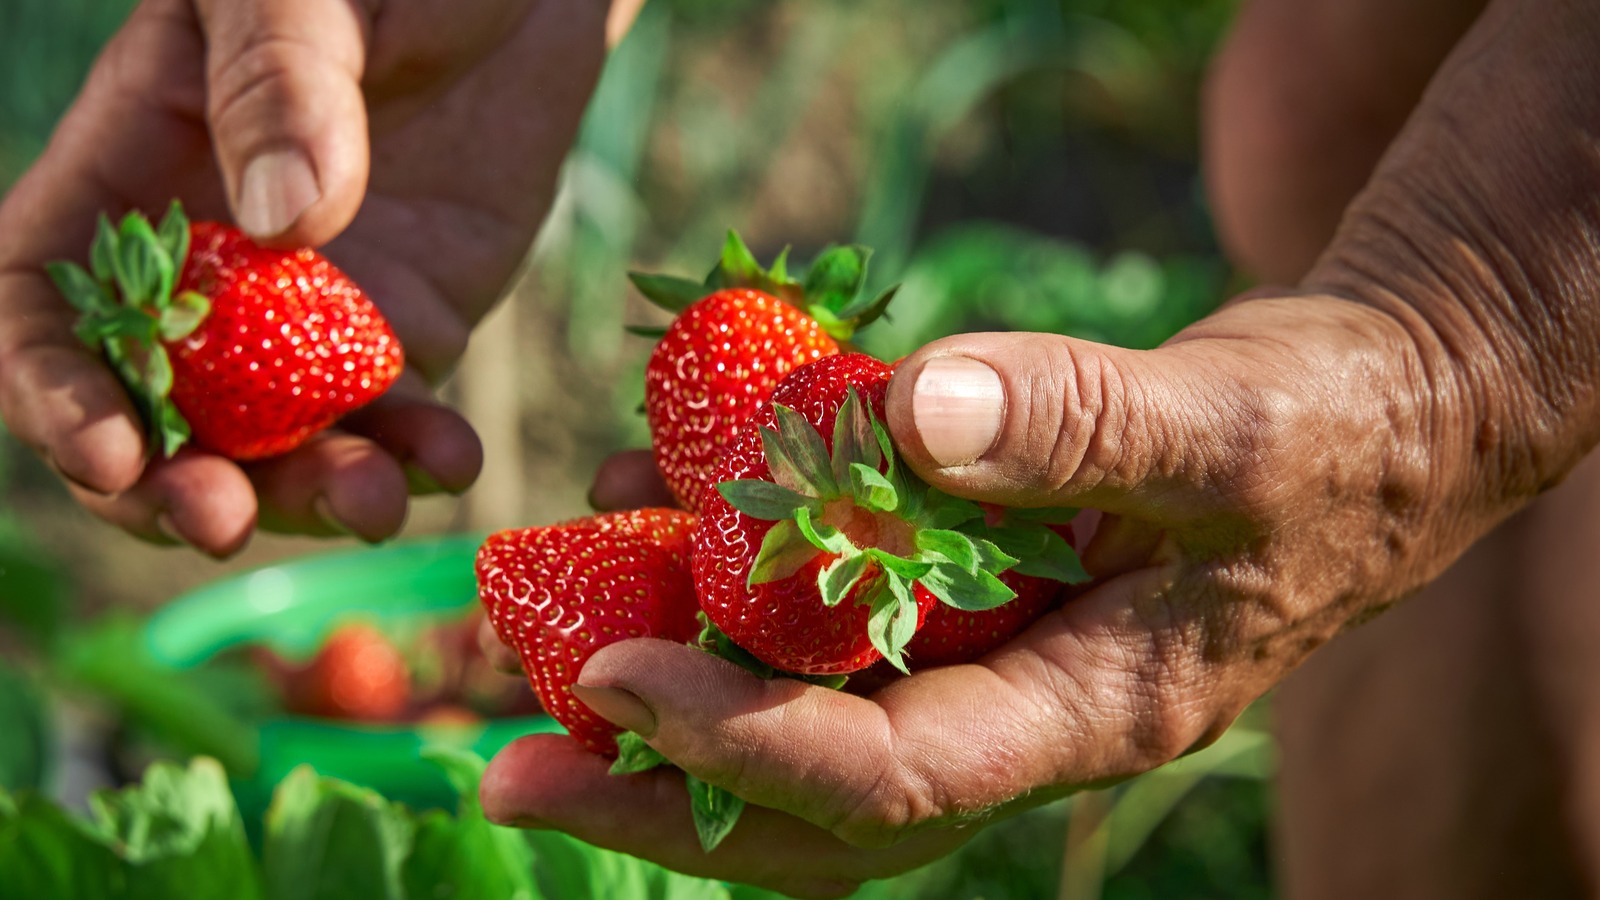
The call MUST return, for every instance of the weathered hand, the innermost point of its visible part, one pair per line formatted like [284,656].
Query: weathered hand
[1278,472]
[420,137]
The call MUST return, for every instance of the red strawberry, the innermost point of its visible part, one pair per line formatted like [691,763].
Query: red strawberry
[818,552]
[247,351]
[734,339]
[358,674]
[558,593]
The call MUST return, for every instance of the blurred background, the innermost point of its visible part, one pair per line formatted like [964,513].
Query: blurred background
[1016,164]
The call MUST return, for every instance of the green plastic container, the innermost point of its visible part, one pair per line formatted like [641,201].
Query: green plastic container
[290,607]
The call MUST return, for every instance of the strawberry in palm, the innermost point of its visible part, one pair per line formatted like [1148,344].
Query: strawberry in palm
[819,553]
[244,350]
[735,337]
[558,593]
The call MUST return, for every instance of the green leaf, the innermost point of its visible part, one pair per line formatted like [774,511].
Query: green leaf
[803,446]
[739,266]
[715,810]
[821,535]
[171,428]
[25,744]
[158,372]
[653,332]
[991,558]
[104,251]
[180,833]
[764,500]
[908,569]
[940,510]
[466,857]
[893,620]
[865,310]
[784,550]
[871,490]
[838,578]
[141,266]
[173,234]
[779,270]
[953,546]
[1042,515]
[183,316]
[634,755]
[44,852]
[1056,561]
[670,293]
[835,277]
[715,642]
[973,592]
[328,839]
[853,440]
[80,289]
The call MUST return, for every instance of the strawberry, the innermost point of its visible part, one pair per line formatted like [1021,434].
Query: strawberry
[244,350]
[735,337]
[357,674]
[819,553]
[558,593]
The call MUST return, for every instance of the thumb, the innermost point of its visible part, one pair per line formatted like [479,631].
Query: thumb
[1046,420]
[287,116]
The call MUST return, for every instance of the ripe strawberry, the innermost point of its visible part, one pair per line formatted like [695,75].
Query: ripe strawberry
[735,337]
[357,674]
[558,593]
[247,351]
[819,553]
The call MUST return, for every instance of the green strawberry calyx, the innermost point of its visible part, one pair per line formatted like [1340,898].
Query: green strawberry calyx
[886,530]
[714,810]
[831,292]
[128,310]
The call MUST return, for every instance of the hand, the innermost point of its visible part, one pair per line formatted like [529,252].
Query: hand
[265,109]
[1276,473]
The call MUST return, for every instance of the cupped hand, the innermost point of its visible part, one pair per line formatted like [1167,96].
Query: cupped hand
[420,137]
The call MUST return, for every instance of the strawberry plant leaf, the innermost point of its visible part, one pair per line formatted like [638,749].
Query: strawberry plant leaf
[893,619]
[158,372]
[838,578]
[141,268]
[668,292]
[950,545]
[172,428]
[739,266]
[803,446]
[173,234]
[1042,515]
[973,592]
[1056,561]
[80,289]
[778,272]
[991,558]
[103,252]
[864,310]
[835,277]
[821,535]
[762,499]
[941,510]
[908,569]
[784,550]
[717,643]
[853,440]
[179,320]
[654,332]
[715,810]
[784,470]
[327,839]
[634,755]
[871,490]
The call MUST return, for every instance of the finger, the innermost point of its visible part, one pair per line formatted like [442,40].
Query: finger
[435,445]
[547,781]
[1039,420]
[501,657]
[287,113]
[629,480]
[193,498]
[335,484]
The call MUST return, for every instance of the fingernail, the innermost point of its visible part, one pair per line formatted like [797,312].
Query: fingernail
[619,707]
[276,188]
[959,405]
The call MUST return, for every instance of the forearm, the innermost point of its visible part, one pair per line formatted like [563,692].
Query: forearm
[1480,234]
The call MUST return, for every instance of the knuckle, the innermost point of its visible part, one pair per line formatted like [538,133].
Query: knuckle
[266,76]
